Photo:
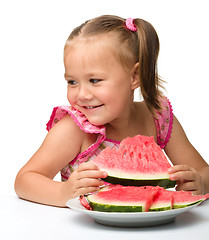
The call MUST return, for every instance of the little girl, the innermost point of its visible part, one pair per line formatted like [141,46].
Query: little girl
[105,60]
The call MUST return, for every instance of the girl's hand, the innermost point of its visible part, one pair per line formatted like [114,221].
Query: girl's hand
[188,179]
[85,179]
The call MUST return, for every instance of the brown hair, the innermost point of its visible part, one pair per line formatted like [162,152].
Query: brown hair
[141,46]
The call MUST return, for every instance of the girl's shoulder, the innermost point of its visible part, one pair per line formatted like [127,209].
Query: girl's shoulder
[77,126]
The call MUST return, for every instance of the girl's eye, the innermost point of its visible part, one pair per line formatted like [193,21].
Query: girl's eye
[72,82]
[95,80]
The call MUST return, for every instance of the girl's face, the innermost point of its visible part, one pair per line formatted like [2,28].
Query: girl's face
[98,85]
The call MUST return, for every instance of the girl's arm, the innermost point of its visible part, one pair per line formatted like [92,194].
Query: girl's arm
[35,182]
[190,170]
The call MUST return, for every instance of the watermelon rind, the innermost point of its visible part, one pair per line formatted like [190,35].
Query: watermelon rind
[160,207]
[114,208]
[165,183]
[183,205]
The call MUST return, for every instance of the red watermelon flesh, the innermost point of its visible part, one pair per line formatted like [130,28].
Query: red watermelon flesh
[139,161]
[84,202]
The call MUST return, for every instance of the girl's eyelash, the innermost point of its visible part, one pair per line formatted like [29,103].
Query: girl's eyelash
[95,80]
[71,82]
[92,80]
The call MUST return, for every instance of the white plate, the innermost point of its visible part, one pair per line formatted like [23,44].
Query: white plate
[130,219]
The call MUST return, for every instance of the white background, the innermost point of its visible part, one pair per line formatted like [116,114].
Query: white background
[32,36]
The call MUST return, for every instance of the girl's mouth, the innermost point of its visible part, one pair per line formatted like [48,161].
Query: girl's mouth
[92,107]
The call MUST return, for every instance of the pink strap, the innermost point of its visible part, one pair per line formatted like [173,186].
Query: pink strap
[79,118]
[164,123]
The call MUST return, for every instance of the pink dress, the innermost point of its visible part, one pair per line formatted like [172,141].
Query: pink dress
[163,122]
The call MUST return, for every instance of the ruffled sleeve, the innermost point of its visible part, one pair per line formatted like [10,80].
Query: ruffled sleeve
[164,123]
[80,119]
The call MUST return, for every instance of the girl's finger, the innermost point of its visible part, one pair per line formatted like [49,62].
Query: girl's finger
[182,176]
[91,174]
[178,168]
[89,182]
[87,166]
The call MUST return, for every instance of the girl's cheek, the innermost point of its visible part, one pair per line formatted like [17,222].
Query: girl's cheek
[70,97]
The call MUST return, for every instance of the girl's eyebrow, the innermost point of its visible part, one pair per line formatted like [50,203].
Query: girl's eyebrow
[67,76]
[89,75]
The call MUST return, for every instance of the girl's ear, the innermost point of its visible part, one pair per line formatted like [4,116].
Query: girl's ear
[135,83]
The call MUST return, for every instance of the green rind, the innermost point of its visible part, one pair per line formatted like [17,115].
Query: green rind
[165,183]
[114,208]
[186,205]
[159,209]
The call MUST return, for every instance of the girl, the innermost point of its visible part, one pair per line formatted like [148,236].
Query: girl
[105,60]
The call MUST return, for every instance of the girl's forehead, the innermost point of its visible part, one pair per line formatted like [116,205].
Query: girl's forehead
[96,46]
[100,42]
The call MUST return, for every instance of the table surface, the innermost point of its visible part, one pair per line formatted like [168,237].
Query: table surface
[22,219]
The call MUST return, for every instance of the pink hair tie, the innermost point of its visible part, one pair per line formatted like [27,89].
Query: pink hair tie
[130,24]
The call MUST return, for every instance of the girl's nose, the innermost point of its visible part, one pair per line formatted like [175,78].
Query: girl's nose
[84,93]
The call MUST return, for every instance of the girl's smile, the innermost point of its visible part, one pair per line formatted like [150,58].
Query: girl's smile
[93,107]
[90,109]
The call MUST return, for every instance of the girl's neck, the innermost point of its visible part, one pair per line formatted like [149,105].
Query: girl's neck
[139,121]
[122,128]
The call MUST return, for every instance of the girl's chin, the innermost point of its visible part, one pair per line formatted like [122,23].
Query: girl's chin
[96,121]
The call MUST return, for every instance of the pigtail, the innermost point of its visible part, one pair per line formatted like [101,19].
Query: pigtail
[148,54]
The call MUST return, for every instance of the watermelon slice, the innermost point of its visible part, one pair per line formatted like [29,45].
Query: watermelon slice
[162,201]
[117,198]
[138,161]
[185,199]
[84,202]
[122,199]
